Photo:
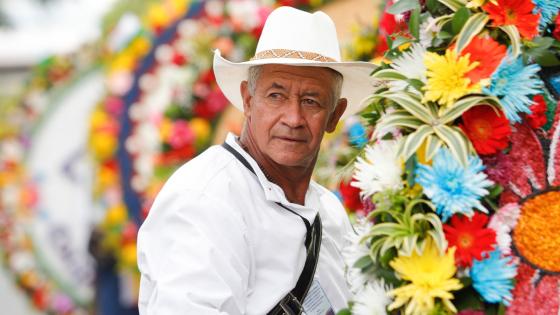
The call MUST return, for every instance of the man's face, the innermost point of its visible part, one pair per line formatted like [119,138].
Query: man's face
[289,112]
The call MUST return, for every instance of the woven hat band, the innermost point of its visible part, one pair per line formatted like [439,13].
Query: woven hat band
[295,54]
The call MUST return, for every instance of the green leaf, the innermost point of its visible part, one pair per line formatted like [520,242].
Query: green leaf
[389,74]
[473,26]
[363,262]
[414,140]
[399,40]
[410,103]
[403,6]
[433,144]
[414,23]
[514,38]
[452,4]
[344,311]
[455,142]
[464,104]
[459,19]
[548,59]
[395,121]
[432,5]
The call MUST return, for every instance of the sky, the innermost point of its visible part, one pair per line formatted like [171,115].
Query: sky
[40,30]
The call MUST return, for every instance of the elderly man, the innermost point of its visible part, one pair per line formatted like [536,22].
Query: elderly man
[242,228]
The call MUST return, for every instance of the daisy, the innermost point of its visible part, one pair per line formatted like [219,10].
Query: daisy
[470,237]
[514,84]
[452,187]
[487,130]
[514,12]
[380,169]
[447,77]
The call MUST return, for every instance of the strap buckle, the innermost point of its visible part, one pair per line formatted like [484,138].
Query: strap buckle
[291,305]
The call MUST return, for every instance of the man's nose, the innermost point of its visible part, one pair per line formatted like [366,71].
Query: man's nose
[293,113]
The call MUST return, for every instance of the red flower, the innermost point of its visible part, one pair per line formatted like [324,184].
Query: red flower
[488,131]
[350,197]
[556,32]
[515,12]
[537,118]
[488,53]
[470,237]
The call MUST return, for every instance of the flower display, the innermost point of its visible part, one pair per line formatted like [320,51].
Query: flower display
[465,90]
[470,237]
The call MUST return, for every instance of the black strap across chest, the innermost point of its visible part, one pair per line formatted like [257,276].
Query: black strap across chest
[291,304]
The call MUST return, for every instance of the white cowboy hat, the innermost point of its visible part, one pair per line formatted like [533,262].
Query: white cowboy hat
[298,38]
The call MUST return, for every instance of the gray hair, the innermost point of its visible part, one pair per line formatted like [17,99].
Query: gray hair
[255,72]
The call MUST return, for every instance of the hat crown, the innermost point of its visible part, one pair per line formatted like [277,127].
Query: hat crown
[291,29]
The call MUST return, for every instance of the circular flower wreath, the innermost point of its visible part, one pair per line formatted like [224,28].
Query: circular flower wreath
[462,166]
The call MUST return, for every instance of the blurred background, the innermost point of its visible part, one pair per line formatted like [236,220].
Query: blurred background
[100,101]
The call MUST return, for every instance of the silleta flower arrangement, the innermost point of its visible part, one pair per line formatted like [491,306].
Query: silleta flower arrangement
[463,164]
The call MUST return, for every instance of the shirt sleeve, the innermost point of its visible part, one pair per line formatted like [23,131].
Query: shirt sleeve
[193,256]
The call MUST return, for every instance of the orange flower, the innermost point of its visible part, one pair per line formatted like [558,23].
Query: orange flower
[488,53]
[514,12]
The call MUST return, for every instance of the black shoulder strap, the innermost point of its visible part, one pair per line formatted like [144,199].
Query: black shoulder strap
[292,303]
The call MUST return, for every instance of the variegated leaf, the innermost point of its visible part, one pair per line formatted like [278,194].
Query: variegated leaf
[452,4]
[433,144]
[515,39]
[414,140]
[389,74]
[455,142]
[409,102]
[464,104]
[473,26]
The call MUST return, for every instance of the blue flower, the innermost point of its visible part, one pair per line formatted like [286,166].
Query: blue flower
[492,277]
[548,9]
[357,135]
[513,83]
[452,187]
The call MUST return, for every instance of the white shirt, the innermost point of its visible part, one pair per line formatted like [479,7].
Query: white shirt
[215,242]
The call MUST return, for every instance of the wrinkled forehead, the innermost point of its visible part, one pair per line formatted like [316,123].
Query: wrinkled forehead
[322,76]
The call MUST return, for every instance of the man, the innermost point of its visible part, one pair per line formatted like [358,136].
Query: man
[231,232]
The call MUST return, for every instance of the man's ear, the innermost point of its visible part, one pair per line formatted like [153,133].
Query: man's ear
[246,96]
[336,114]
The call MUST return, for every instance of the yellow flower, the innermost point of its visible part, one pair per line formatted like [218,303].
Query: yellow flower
[431,276]
[447,80]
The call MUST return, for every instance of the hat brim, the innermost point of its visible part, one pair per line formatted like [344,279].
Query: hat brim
[357,84]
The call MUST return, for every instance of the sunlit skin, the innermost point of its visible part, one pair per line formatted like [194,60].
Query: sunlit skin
[285,121]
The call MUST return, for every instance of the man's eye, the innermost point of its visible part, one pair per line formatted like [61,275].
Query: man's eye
[309,101]
[275,96]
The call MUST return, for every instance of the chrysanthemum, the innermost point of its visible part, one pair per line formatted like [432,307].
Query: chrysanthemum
[428,30]
[488,131]
[470,237]
[430,275]
[488,53]
[514,83]
[447,77]
[381,169]
[452,187]
[492,277]
[548,10]
[514,12]
[410,64]
[372,300]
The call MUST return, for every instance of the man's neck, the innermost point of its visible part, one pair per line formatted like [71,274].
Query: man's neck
[294,180]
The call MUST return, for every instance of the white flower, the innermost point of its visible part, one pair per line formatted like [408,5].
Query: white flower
[428,31]
[411,65]
[381,169]
[372,300]
[353,251]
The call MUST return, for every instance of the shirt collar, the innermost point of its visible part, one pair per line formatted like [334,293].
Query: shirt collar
[272,191]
